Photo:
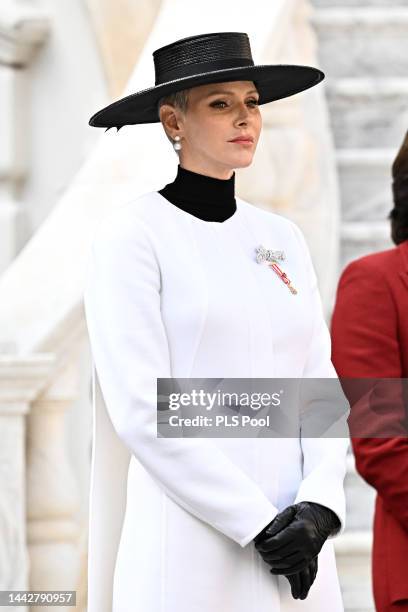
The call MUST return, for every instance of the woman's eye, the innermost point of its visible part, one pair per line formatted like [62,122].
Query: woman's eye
[219,102]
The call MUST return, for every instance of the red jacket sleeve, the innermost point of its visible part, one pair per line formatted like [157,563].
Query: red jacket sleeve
[364,329]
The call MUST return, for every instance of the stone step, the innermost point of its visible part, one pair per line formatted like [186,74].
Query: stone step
[365,183]
[368,113]
[365,232]
[358,239]
[353,561]
[358,542]
[359,3]
[365,42]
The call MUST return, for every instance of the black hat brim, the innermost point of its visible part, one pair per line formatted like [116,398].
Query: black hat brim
[273,82]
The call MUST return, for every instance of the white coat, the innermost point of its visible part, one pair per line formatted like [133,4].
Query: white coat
[172,519]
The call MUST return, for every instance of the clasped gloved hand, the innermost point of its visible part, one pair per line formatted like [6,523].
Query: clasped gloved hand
[300,582]
[291,548]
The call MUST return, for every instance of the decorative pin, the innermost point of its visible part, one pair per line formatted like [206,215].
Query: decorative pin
[263,254]
[283,276]
[268,255]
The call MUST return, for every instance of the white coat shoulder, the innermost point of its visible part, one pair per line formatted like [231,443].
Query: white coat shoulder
[127,220]
[264,215]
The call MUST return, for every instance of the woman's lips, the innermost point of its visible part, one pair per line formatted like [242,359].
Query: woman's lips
[241,141]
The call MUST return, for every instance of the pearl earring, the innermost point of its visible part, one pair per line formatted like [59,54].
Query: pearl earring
[177,144]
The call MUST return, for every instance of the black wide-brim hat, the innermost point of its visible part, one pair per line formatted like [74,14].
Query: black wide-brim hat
[201,59]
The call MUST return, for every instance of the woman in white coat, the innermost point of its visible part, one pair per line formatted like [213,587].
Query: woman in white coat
[175,289]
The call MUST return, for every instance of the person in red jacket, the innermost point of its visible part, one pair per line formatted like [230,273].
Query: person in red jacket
[369,330]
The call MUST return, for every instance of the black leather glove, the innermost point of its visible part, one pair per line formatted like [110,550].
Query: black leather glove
[301,582]
[281,521]
[295,536]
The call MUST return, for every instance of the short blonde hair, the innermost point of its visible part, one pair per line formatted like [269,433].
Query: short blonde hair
[179,99]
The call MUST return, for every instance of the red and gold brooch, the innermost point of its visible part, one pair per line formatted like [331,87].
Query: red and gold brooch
[271,257]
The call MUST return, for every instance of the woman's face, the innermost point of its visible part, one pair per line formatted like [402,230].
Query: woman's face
[217,113]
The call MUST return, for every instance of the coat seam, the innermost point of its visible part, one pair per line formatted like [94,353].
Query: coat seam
[204,317]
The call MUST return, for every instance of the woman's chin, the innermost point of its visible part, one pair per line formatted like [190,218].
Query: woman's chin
[242,160]
[244,163]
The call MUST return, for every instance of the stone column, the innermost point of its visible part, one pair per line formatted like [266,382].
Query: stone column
[20,380]
[23,28]
[53,529]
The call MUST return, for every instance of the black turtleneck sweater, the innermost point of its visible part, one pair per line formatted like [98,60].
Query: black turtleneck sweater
[205,197]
